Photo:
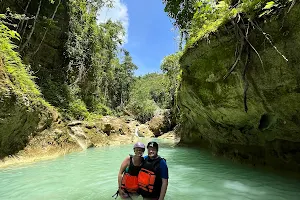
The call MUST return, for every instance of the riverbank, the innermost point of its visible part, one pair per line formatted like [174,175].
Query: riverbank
[32,155]
[63,138]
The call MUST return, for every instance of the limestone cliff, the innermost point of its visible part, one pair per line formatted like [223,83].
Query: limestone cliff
[212,108]
[21,114]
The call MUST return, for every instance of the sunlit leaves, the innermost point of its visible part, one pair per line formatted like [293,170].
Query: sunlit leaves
[102,78]
[181,11]
[269,8]
[202,17]
[22,81]
[269,5]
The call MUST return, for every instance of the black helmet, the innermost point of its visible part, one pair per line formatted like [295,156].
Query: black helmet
[152,144]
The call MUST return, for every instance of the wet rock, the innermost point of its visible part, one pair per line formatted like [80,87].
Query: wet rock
[78,132]
[75,123]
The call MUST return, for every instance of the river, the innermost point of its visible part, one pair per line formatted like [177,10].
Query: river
[194,174]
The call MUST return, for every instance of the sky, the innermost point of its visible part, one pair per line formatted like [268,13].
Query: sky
[150,35]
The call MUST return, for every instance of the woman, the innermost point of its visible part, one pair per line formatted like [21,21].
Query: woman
[129,170]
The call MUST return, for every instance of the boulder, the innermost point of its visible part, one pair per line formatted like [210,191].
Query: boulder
[160,123]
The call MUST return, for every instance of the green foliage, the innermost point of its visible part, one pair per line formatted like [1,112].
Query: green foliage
[182,11]
[78,63]
[102,109]
[123,80]
[101,81]
[209,17]
[20,74]
[148,93]
[200,18]
[143,109]
[78,109]
[171,67]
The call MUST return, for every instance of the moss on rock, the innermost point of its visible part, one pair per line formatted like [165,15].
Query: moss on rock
[22,109]
[213,110]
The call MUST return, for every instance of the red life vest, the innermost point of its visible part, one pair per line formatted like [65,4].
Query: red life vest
[149,179]
[130,178]
[146,180]
[130,183]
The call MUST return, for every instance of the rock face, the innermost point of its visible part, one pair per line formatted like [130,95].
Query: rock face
[160,123]
[213,110]
[20,116]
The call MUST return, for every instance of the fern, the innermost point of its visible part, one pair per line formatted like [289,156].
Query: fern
[22,81]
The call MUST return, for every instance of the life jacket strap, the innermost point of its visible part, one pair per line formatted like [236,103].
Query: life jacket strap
[116,194]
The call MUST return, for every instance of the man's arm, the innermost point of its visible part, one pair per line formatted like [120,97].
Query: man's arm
[164,187]
[164,177]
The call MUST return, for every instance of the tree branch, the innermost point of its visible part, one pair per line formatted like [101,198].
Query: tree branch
[267,37]
[33,27]
[45,33]
[22,21]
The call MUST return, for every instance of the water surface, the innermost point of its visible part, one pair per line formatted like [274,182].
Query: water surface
[194,174]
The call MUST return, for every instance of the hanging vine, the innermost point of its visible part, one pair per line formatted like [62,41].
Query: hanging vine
[242,18]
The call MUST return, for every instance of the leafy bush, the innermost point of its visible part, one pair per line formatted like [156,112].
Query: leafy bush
[143,110]
[78,109]
[102,109]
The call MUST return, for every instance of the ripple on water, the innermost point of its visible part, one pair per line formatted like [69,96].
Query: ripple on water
[92,175]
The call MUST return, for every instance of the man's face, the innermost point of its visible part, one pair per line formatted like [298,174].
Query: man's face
[152,152]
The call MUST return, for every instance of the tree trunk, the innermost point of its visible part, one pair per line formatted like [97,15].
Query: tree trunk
[33,27]
[19,29]
[53,15]
[122,95]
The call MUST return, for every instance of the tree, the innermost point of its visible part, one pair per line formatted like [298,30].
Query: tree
[149,93]
[171,67]
[182,11]
[124,78]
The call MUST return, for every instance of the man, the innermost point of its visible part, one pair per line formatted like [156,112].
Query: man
[153,177]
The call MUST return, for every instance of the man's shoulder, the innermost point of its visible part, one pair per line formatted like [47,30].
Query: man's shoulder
[163,162]
[163,169]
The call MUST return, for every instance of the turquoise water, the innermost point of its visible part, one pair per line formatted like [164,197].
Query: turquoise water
[194,174]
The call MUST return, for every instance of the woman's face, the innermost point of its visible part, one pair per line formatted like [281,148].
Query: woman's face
[138,151]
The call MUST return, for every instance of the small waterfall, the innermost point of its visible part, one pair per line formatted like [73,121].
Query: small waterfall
[82,144]
[78,135]
[136,132]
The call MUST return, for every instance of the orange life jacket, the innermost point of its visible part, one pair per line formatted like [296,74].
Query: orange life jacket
[149,178]
[146,180]
[130,183]
[130,178]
